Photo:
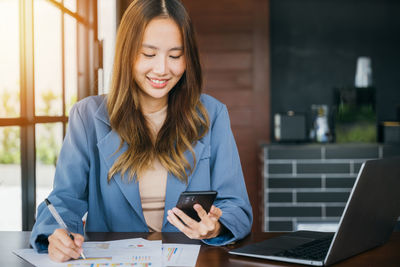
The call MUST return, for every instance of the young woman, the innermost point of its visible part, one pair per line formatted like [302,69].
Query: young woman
[127,156]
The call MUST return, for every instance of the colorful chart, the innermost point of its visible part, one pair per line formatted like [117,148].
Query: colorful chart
[172,252]
[137,264]
[141,258]
[135,246]
[96,258]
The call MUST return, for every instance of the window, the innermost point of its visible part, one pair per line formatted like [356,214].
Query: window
[48,60]
[107,30]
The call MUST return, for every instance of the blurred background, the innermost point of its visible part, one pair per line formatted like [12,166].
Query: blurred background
[312,88]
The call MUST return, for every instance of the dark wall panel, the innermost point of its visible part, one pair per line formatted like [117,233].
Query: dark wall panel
[315,45]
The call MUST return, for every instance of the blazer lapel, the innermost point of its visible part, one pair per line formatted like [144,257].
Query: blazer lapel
[108,146]
[175,186]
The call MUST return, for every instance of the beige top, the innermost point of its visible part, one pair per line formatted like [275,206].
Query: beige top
[153,183]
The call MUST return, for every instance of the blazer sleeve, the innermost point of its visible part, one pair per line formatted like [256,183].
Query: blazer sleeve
[69,195]
[227,179]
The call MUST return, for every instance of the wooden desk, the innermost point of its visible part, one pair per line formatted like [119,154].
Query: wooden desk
[386,255]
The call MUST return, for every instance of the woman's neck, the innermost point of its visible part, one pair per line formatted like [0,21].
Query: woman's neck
[152,105]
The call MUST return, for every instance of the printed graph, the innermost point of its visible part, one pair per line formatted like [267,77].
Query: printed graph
[180,255]
[136,264]
[172,254]
[96,258]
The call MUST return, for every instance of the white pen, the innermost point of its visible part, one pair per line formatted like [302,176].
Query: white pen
[60,221]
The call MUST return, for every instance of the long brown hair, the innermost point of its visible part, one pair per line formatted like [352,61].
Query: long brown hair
[186,121]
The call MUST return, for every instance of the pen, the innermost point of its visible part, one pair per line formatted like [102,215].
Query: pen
[60,221]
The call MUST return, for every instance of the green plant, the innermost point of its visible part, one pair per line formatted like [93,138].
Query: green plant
[9,146]
[47,148]
[361,132]
[9,136]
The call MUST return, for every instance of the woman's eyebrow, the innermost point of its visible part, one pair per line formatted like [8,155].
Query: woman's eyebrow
[180,48]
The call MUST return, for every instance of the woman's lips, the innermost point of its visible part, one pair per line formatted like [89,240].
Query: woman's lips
[158,83]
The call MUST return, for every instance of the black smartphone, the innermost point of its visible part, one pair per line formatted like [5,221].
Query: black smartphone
[188,198]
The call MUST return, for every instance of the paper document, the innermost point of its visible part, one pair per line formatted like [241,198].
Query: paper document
[126,252]
[180,255]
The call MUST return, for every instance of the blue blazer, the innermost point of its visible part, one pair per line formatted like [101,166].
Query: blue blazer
[87,154]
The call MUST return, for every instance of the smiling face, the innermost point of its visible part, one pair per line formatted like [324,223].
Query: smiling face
[160,63]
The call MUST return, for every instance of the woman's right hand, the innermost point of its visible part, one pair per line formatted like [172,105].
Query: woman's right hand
[62,247]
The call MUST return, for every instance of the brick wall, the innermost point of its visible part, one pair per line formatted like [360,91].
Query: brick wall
[310,184]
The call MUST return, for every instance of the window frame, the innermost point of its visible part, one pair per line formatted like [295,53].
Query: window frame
[88,60]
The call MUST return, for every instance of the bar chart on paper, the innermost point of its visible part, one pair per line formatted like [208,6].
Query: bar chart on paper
[110,264]
[137,261]
[180,255]
[173,253]
[129,252]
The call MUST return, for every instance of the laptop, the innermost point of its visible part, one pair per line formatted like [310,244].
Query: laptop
[368,221]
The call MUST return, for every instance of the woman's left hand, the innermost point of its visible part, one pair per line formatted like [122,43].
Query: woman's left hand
[208,227]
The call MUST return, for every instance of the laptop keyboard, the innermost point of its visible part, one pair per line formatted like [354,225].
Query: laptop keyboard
[314,250]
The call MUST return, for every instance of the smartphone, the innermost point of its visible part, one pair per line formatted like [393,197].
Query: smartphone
[188,198]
